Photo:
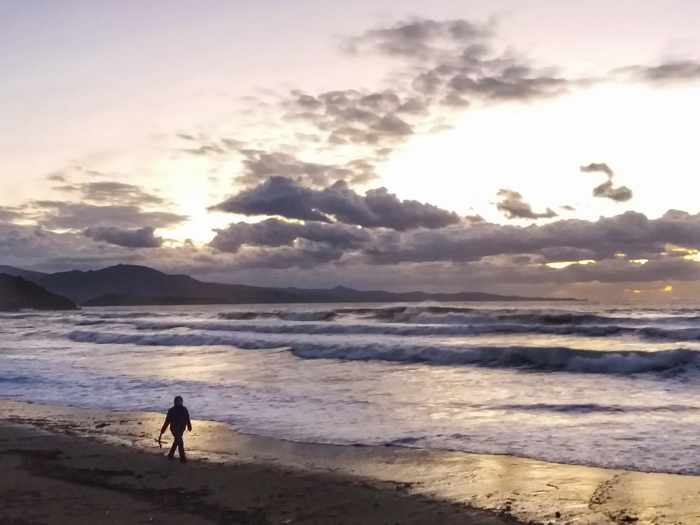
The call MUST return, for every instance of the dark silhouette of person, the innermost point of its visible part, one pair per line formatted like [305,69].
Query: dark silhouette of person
[178,419]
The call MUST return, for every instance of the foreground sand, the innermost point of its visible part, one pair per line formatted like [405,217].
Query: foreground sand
[63,478]
[67,465]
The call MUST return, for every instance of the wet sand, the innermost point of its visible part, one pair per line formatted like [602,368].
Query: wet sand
[70,465]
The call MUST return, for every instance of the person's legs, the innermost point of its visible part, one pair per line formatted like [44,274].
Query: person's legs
[171,454]
[180,445]
[181,449]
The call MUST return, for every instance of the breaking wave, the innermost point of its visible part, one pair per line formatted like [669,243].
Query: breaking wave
[554,359]
[407,330]
[457,315]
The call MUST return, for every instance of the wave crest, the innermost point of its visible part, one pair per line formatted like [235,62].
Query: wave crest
[553,359]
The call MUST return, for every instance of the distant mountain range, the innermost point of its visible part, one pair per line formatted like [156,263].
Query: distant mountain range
[17,293]
[124,285]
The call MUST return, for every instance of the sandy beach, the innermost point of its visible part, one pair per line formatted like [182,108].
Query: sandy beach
[70,465]
[55,474]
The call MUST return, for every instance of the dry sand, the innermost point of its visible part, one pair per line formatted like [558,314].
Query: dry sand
[69,465]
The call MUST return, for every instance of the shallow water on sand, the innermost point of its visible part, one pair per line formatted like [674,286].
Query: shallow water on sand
[612,386]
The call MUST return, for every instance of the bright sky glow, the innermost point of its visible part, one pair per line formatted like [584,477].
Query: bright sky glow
[645,135]
[182,109]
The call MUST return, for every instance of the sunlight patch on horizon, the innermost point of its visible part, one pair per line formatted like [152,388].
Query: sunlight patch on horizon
[565,264]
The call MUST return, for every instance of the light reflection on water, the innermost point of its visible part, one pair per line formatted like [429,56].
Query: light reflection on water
[647,421]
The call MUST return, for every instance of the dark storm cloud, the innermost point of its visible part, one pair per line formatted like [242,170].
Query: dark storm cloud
[72,215]
[377,208]
[112,192]
[607,190]
[514,207]
[259,166]
[128,238]
[275,233]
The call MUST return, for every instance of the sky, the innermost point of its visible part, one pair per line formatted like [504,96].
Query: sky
[541,148]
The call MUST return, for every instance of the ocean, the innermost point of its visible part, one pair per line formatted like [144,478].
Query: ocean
[604,385]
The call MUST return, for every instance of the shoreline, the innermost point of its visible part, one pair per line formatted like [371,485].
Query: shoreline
[506,487]
[61,467]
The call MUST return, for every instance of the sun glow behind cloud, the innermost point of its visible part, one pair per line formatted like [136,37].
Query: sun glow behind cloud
[192,188]
[534,148]
[645,134]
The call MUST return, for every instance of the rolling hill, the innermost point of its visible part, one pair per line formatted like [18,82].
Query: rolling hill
[140,285]
[17,293]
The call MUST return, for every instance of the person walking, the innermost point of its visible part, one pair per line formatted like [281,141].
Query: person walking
[178,419]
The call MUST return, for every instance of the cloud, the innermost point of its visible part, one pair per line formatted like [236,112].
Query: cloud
[607,190]
[458,59]
[317,146]
[479,255]
[112,192]
[33,245]
[71,215]
[275,233]
[56,177]
[514,207]
[391,125]
[630,233]
[598,167]
[418,38]
[507,87]
[377,208]
[259,166]
[439,68]
[134,238]
[305,254]
[356,117]
[9,214]
[669,72]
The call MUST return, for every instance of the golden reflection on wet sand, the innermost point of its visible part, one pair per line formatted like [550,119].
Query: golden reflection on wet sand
[524,488]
